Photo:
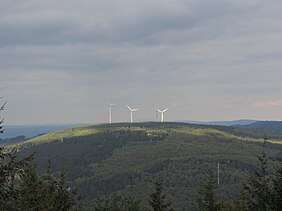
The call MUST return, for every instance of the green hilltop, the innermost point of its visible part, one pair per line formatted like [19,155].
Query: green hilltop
[102,159]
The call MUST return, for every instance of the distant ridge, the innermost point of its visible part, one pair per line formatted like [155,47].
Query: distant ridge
[223,123]
[263,125]
[30,131]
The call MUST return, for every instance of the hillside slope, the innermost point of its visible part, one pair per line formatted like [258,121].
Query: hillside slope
[102,159]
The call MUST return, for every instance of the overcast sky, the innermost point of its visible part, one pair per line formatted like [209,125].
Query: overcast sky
[62,61]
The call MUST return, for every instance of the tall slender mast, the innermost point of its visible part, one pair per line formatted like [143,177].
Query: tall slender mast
[110,113]
[218,174]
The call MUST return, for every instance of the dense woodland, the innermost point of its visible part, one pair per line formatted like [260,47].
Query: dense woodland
[120,164]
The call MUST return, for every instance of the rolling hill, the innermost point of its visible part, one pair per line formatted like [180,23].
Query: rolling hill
[224,123]
[102,159]
[263,125]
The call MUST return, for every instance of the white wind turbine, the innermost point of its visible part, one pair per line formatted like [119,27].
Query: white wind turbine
[110,112]
[162,113]
[131,112]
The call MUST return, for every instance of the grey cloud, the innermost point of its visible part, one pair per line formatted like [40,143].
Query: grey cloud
[206,59]
[130,21]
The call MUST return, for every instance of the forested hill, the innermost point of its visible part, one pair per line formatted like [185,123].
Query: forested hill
[263,125]
[103,159]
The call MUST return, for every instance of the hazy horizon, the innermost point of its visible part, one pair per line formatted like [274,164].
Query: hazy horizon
[63,61]
[138,121]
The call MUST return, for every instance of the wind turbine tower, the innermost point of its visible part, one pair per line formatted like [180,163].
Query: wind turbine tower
[110,112]
[131,112]
[162,113]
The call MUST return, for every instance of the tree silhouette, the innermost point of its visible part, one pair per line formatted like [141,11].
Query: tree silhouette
[207,200]
[2,119]
[22,188]
[158,200]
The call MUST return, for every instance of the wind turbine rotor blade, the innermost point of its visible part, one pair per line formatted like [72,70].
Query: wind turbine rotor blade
[165,110]
[158,110]
[156,114]
[129,107]
[135,109]
[3,106]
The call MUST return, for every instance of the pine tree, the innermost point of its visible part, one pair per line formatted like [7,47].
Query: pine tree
[207,200]
[11,173]
[116,202]
[2,107]
[158,199]
[277,187]
[21,188]
[257,189]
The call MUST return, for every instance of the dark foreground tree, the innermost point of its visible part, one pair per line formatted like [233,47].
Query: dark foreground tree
[116,202]
[263,190]
[21,188]
[258,188]
[207,200]
[277,187]
[158,200]
[2,107]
